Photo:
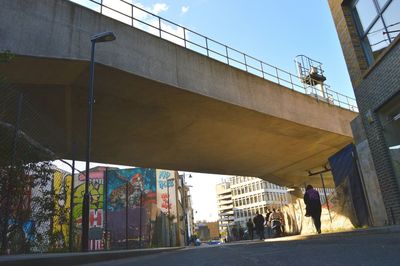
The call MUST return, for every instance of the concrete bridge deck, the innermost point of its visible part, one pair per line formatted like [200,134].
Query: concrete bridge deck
[159,104]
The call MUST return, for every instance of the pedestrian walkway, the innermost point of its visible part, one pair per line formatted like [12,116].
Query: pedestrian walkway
[78,258]
[369,247]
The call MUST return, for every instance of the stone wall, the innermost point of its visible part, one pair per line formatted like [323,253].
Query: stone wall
[341,212]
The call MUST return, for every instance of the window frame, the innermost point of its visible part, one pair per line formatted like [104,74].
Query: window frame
[363,34]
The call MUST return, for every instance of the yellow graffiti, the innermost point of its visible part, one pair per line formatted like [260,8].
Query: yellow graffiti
[62,203]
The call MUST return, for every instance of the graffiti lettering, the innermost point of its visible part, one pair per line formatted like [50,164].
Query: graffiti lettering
[93,175]
[164,175]
[165,184]
[96,244]
[96,218]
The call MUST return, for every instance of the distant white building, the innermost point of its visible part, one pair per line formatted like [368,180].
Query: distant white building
[251,195]
[225,208]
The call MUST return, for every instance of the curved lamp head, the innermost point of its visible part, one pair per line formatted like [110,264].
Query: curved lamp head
[107,36]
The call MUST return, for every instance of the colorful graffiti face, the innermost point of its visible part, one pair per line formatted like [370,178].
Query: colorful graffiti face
[138,184]
[130,195]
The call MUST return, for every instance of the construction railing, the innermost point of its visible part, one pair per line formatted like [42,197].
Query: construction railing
[143,19]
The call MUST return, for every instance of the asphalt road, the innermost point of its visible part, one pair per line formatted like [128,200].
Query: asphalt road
[353,249]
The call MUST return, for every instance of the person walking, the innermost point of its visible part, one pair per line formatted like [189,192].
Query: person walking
[275,223]
[268,225]
[313,206]
[282,220]
[259,224]
[250,229]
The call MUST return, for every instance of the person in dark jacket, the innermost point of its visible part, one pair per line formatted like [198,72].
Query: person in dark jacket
[259,223]
[313,206]
[267,223]
[250,229]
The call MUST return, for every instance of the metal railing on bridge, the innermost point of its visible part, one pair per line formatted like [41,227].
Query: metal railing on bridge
[143,19]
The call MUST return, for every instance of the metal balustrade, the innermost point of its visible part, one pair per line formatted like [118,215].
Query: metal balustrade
[143,19]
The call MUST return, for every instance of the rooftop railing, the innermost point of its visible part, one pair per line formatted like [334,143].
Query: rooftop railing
[145,20]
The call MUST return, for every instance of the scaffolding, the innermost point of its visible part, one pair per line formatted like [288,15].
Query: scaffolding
[311,74]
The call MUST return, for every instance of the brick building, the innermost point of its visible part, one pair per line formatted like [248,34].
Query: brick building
[369,35]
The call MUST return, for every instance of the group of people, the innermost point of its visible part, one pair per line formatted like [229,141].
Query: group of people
[313,210]
[259,223]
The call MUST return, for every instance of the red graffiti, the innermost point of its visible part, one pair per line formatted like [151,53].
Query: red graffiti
[164,203]
[96,218]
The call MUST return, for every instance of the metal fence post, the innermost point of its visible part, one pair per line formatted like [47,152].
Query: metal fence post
[245,62]
[277,75]
[71,205]
[105,207]
[159,25]
[208,54]
[126,215]
[262,70]
[140,217]
[291,81]
[227,55]
[132,15]
[17,125]
[184,36]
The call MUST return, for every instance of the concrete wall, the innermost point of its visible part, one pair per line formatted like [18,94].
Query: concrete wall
[341,212]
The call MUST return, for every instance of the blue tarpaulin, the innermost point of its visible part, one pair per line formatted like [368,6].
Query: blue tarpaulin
[344,167]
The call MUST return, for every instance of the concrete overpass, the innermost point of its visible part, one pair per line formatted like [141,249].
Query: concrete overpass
[159,104]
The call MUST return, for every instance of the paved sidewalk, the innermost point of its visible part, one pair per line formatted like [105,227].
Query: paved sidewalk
[369,230]
[61,259]
[361,231]
[78,258]
[376,247]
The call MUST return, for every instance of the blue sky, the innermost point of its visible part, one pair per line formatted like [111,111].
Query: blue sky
[272,31]
[269,30]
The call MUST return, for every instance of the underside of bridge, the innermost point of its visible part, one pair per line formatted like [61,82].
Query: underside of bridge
[145,123]
[160,105]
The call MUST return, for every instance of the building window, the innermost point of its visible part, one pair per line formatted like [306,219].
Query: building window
[389,116]
[378,24]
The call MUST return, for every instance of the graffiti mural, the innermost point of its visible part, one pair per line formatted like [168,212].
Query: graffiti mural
[130,195]
[166,192]
[62,182]
[96,213]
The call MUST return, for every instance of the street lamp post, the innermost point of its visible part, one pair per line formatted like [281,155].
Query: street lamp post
[100,37]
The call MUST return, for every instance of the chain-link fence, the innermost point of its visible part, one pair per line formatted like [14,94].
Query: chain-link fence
[41,205]
[26,174]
